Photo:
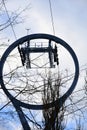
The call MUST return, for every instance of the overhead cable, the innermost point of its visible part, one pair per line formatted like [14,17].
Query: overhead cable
[52,20]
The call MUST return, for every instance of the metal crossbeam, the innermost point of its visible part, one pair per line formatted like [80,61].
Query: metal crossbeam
[37,49]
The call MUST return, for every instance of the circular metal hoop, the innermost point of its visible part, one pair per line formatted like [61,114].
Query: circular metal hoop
[62,99]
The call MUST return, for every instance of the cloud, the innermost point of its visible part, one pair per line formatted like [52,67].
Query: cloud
[2,128]
[10,126]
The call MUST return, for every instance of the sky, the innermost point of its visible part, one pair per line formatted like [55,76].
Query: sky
[70,22]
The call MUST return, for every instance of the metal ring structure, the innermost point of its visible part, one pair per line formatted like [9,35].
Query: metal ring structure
[62,99]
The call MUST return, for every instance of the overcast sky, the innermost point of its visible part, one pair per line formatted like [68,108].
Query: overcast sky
[70,22]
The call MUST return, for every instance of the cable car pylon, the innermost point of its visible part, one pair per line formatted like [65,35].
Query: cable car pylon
[27,50]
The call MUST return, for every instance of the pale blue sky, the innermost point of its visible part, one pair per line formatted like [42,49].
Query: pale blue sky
[70,22]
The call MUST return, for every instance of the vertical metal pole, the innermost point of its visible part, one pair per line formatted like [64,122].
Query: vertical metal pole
[50,55]
[28,63]
[22,118]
